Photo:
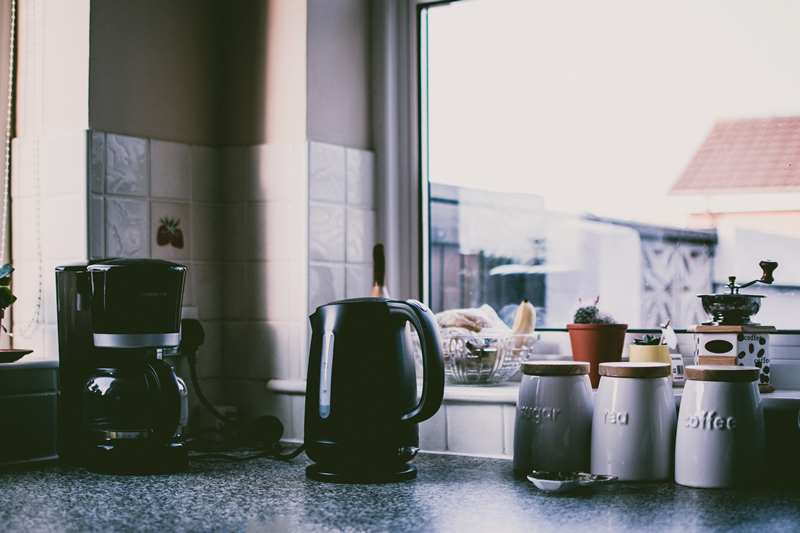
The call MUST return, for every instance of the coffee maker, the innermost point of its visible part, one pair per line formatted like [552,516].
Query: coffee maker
[120,404]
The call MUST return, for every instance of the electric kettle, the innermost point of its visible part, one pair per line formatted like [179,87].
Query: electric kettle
[362,406]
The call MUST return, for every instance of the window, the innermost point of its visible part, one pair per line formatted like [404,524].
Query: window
[642,152]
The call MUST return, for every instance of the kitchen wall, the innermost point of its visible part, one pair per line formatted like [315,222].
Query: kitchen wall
[48,163]
[200,112]
[153,70]
[129,184]
[293,244]
[339,91]
[304,194]
[264,251]
[81,193]
[52,71]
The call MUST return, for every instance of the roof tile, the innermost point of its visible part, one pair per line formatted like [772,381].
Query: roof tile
[762,153]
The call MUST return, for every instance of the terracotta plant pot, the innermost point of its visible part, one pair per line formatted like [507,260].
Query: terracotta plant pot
[595,344]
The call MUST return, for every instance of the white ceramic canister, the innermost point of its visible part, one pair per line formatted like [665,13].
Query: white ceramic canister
[720,440]
[553,426]
[633,428]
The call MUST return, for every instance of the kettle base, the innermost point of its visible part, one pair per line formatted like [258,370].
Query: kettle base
[392,475]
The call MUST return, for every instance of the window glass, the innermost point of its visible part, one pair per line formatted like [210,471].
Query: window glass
[641,152]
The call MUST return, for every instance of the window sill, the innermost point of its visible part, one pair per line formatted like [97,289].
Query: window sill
[507,393]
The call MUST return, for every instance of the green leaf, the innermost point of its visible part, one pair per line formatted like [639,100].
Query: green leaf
[648,340]
[6,298]
[6,270]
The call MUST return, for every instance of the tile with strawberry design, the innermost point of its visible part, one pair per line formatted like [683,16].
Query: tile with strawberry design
[169,226]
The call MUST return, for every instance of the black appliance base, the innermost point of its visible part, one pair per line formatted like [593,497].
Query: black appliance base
[373,475]
[138,458]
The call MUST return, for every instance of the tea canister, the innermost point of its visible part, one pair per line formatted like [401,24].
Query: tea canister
[720,440]
[553,425]
[633,427]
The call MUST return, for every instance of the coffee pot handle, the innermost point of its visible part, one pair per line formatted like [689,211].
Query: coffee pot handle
[424,322]
[165,399]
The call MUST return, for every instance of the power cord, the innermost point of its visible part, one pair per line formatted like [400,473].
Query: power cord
[265,431]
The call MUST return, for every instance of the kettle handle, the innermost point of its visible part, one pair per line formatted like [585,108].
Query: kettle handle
[433,383]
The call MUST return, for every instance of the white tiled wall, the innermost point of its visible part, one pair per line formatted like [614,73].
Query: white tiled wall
[265,270]
[484,429]
[50,227]
[341,223]
[135,183]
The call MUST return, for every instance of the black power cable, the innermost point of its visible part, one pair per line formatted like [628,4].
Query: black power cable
[265,430]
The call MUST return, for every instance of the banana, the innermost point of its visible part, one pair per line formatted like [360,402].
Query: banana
[525,319]
[524,323]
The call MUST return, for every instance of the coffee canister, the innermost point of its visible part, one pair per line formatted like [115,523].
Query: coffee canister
[633,427]
[720,440]
[553,425]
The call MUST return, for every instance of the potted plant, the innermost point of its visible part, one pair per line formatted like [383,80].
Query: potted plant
[595,339]
[6,297]
[649,349]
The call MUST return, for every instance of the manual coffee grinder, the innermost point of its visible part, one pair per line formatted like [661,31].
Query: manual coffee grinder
[120,406]
[731,337]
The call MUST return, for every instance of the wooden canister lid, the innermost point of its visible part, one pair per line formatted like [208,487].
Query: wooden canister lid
[635,370]
[728,374]
[555,368]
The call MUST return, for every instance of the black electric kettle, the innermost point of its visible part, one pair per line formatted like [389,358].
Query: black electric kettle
[362,410]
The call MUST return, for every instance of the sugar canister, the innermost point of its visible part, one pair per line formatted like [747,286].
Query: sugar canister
[552,429]
[720,440]
[633,428]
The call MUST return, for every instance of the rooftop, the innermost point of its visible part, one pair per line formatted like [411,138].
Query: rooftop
[739,156]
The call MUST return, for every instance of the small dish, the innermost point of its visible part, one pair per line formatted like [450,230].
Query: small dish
[564,481]
[9,356]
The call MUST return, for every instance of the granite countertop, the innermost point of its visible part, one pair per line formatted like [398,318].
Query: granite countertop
[451,493]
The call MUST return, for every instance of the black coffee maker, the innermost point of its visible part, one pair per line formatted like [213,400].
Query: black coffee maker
[362,410]
[120,403]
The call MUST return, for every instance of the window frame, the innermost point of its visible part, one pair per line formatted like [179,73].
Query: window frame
[402,195]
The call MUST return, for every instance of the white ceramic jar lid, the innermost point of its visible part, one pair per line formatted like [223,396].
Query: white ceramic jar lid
[728,374]
[635,370]
[555,368]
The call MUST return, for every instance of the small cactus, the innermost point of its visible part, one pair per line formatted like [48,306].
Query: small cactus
[648,340]
[590,314]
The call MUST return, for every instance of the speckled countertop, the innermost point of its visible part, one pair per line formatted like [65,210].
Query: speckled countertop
[451,493]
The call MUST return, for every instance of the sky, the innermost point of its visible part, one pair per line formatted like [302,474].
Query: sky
[599,105]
